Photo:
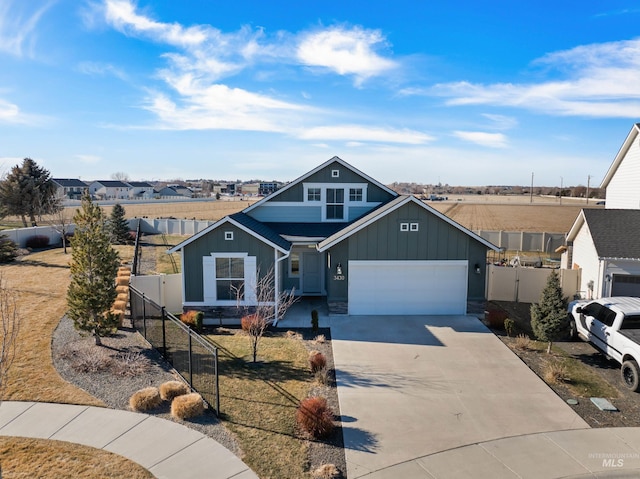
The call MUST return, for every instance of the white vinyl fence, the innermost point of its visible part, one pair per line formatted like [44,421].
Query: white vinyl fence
[163,289]
[523,240]
[525,285]
[20,235]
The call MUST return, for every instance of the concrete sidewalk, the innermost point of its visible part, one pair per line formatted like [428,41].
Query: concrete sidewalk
[587,453]
[167,449]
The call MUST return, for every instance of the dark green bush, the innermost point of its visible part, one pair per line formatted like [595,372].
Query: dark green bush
[8,250]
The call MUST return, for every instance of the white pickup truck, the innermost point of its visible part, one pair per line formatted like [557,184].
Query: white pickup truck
[613,326]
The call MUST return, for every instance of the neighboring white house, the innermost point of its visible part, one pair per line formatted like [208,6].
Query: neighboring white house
[109,190]
[140,190]
[605,243]
[622,181]
[174,191]
[70,188]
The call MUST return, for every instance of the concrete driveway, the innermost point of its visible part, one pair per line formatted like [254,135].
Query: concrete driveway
[412,386]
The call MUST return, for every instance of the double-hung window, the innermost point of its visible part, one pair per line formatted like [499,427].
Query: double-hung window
[229,278]
[355,194]
[335,203]
[313,194]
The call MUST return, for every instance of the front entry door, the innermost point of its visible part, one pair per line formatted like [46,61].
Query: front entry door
[311,273]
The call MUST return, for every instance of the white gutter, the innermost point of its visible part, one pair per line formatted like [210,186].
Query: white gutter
[277,280]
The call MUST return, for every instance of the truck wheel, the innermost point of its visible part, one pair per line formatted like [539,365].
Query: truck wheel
[631,375]
[572,333]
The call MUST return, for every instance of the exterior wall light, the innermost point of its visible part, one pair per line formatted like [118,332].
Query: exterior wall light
[477,268]
[339,269]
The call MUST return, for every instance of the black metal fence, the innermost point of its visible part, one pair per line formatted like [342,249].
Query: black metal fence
[192,356]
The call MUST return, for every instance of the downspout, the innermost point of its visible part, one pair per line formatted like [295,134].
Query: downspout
[277,280]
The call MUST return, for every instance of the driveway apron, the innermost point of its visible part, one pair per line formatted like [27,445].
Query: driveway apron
[410,386]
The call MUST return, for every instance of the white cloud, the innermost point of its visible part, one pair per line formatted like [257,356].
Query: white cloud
[501,122]
[599,80]
[101,69]
[88,159]
[345,51]
[491,140]
[359,133]
[18,25]
[9,112]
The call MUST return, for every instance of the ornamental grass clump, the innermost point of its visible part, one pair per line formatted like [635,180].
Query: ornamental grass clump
[315,417]
[145,399]
[172,389]
[317,361]
[187,406]
[193,319]
[326,471]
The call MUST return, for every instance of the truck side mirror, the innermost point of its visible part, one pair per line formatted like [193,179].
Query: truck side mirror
[579,310]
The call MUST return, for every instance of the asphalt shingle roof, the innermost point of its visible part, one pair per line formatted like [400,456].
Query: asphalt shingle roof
[307,230]
[261,229]
[615,233]
[70,182]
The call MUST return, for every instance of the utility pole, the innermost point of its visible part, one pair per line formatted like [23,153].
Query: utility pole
[561,179]
[588,182]
[531,190]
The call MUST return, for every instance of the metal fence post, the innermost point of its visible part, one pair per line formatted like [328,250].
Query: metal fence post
[215,371]
[164,333]
[190,361]
[144,316]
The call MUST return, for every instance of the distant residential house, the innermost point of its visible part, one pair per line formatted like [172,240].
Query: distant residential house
[250,189]
[70,188]
[174,191]
[140,190]
[266,189]
[603,243]
[109,190]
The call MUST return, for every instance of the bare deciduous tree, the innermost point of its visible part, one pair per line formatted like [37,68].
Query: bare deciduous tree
[270,304]
[120,176]
[10,319]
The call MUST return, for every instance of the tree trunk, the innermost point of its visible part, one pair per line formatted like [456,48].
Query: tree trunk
[97,338]
[24,221]
[549,348]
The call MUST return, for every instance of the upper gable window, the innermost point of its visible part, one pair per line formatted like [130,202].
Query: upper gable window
[228,235]
[355,194]
[313,194]
[335,173]
[335,203]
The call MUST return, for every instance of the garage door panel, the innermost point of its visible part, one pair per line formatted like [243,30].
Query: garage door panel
[407,287]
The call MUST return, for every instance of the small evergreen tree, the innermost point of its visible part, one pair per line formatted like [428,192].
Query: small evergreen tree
[549,319]
[8,250]
[118,225]
[94,265]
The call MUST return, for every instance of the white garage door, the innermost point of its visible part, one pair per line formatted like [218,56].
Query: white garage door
[407,287]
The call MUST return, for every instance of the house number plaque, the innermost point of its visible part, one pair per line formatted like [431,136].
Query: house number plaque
[338,277]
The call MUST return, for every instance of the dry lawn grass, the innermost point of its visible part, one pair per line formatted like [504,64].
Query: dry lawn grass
[259,401]
[24,457]
[511,217]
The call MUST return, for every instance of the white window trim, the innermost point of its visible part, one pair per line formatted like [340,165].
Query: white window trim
[347,203]
[291,273]
[404,226]
[414,227]
[335,173]
[228,235]
[209,280]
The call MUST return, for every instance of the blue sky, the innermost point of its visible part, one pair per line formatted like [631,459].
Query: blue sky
[465,93]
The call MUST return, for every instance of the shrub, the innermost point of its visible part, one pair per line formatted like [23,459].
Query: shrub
[122,297]
[122,289]
[320,339]
[193,319]
[187,406]
[495,318]
[522,342]
[322,376]
[317,361]
[509,326]
[37,242]
[122,280]
[249,322]
[130,364]
[145,399]
[87,360]
[555,372]
[8,250]
[119,314]
[326,471]
[315,417]
[119,305]
[173,389]
[294,335]
[314,320]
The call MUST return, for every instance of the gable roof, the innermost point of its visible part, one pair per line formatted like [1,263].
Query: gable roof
[113,183]
[335,159]
[621,154]
[70,182]
[140,184]
[614,233]
[387,208]
[249,225]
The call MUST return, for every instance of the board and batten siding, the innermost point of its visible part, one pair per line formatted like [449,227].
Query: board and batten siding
[623,191]
[375,194]
[214,242]
[383,240]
